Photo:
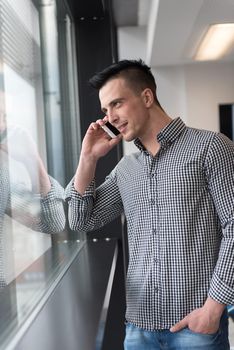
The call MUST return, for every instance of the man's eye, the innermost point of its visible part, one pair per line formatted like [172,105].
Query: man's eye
[117,104]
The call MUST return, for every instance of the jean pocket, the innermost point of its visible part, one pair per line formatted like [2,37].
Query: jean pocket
[212,335]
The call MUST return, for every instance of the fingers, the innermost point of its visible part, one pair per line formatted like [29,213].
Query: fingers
[114,141]
[102,121]
[93,127]
[97,128]
[96,125]
[180,325]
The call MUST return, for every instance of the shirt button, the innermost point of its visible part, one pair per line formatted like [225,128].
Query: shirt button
[153,201]
[156,260]
[156,289]
[154,230]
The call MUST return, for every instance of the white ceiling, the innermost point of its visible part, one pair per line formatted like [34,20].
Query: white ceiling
[175,27]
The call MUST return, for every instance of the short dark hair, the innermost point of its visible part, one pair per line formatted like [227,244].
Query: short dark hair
[135,72]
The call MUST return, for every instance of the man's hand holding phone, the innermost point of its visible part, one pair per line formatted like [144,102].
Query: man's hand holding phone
[96,144]
[100,138]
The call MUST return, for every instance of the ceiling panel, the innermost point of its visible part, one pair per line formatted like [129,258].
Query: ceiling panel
[180,25]
[175,27]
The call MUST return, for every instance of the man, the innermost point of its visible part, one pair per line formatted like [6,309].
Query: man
[38,205]
[28,193]
[177,193]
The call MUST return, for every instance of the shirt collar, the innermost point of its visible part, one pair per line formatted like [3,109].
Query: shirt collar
[167,135]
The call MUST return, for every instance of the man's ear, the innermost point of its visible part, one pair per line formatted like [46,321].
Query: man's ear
[148,97]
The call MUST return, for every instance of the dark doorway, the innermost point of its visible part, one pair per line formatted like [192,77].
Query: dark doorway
[226,120]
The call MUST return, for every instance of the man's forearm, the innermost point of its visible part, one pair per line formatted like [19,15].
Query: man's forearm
[44,180]
[85,174]
[214,307]
[39,177]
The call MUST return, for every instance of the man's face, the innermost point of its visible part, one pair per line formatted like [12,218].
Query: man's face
[125,108]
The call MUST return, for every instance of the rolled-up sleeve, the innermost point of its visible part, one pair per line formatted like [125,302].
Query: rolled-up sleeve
[220,170]
[52,217]
[96,207]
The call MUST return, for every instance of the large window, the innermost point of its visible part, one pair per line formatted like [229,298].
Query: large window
[38,117]
[23,147]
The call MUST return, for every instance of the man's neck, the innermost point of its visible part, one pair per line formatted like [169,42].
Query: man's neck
[159,120]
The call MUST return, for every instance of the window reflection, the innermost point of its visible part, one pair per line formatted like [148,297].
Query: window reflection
[31,204]
[38,110]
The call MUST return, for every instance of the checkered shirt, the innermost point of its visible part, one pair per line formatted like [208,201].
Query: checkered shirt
[179,208]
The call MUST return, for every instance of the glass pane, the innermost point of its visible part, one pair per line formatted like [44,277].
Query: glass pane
[35,247]
[33,201]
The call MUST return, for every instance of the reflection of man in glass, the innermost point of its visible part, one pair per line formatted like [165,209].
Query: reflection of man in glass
[36,199]
[23,150]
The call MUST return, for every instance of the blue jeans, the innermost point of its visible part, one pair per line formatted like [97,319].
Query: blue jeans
[140,339]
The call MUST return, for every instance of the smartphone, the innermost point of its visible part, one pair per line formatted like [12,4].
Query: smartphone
[110,130]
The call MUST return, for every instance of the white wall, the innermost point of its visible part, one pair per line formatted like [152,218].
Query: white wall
[195,91]
[207,86]
[132,42]
[171,90]
[192,91]
[131,45]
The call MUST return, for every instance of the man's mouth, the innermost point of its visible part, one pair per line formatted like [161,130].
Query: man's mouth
[122,127]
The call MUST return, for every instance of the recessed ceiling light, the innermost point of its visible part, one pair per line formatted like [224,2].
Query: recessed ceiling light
[217,42]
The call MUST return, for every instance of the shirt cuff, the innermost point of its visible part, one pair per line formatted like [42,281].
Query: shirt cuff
[220,291]
[56,192]
[70,191]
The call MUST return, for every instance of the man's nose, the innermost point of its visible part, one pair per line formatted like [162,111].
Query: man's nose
[113,117]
